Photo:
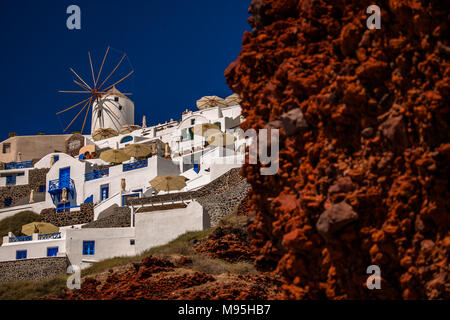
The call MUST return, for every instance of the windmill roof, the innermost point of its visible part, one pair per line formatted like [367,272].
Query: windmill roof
[116,92]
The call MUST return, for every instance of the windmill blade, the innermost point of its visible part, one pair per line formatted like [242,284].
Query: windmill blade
[76,117]
[81,85]
[87,112]
[74,91]
[107,107]
[101,67]
[120,80]
[92,69]
[80,78]
[114,70]
[73,106]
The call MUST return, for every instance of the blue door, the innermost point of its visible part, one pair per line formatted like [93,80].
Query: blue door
[104,193]
[64,173]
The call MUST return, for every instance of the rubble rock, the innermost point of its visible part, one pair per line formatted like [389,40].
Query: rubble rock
[335,218]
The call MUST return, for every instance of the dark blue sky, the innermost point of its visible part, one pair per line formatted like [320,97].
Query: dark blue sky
[179,50]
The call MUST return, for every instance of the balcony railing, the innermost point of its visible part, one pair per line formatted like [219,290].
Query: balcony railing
[59,184]
[65,209]
[18,239]
[98,174]
[135,165]
[18,165]
[55,187]
[48,236]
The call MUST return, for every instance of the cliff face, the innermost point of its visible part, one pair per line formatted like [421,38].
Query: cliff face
[366,183]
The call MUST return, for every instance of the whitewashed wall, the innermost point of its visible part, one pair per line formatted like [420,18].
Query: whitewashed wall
[160,227]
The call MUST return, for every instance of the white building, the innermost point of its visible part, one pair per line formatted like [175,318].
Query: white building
[72,181]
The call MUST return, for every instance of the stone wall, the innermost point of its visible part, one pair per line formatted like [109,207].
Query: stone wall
[219,205]
[113,217]
[36,178]
[85,215]
[225,182]
[73,144]
[32,269]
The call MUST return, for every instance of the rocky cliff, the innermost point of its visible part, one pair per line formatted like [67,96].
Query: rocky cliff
[366,182]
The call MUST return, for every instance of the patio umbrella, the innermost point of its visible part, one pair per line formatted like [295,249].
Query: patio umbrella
[41,227]
[114,156]
[138,150]
[220,139]
[202,129]
[104,133]
[232,100]
[129,128]
[210,102]
[168,183]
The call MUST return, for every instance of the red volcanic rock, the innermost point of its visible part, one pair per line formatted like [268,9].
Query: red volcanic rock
[376,103]
[335,218]
[156,279]
[230,244]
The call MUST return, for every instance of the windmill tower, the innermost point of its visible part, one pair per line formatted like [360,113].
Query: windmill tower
[110,107]
[112,110]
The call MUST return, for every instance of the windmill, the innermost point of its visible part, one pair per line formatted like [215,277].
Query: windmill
[98,92]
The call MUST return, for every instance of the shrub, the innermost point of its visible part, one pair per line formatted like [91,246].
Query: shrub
[15,223]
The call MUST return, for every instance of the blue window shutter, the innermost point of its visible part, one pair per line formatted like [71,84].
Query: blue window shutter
[52,252]
[21,254]
[89,248]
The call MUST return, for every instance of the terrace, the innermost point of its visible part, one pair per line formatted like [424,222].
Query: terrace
[98,174]
[18,165]
[47,236]
[135,165]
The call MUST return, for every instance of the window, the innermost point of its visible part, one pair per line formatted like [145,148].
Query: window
[42,188]
[132,242]
[192,122]
[55,158]
[52,252]
[126,139]
[88,248]
[116,99]
[120,107]
[21,254]
[6,148]
[184,135]
[104,192]
[11,180]
[8,202]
